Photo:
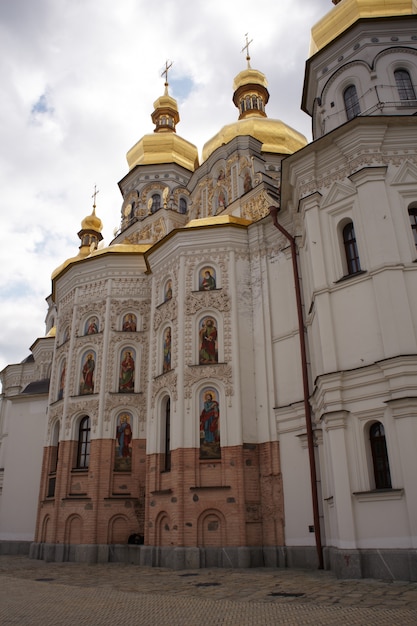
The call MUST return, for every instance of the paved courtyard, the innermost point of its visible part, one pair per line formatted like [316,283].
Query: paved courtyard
[72,594]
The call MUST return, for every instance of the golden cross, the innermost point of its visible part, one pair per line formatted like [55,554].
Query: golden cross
[168,65]
[247,47]
[94,196]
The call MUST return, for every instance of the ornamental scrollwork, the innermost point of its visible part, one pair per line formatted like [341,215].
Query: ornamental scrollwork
[166,381]
[221,372]
[196,301]
[167,312]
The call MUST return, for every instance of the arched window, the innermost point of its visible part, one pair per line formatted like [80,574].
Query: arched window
[83,450]
[380,456]
[351,249]
[167,437]
[404,86]
[183,206]
[156,203]
[350,97]
[412,213]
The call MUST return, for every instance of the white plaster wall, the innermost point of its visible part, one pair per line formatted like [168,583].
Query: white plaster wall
[297,486]
[23,460]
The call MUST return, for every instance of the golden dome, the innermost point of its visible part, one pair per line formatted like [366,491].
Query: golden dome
[92,222]
[347,12]
[164,146]
[275,136]
[250,97]
[90,236]
[51,332]
[248,76]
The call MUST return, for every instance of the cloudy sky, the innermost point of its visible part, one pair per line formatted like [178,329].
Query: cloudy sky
[78,82]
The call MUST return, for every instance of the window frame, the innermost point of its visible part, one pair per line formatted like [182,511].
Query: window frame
[167,436]
[405,87]
[351,102]
[156,202]
[412,215]
[84,443]
[379,455]
[350,247]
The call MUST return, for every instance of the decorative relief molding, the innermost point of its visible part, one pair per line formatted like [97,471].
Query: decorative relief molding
[85,405]
[126,287]
[93,291]
[150,233]
[67,301]
[111,375]
[74,367]
[358,161]
[150,188]
[180,191]
[127,401]
[96,309]
[255,208]
[166,381]
[199,300]
[221,372]
[165,313]
[142,307]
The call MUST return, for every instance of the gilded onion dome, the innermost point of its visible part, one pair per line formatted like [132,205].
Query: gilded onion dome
[347,12]
[164,146]
[90,236]
[250,97]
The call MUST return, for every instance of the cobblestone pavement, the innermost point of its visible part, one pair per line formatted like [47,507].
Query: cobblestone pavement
[73,594]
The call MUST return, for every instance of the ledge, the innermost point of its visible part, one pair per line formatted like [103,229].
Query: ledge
[224,487]
[349,276]
[121,496]
[75,496]
[161,492]
[378,494]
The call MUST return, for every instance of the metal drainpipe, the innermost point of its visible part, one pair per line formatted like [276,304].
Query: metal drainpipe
[273,211]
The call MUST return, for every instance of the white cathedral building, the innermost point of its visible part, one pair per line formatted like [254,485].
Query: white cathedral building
[232,381]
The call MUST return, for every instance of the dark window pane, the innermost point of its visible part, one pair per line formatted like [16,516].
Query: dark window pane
[351,249]
[350,97]
[404,85]
[167,465]
[412,212]
[83,453]
[380,457]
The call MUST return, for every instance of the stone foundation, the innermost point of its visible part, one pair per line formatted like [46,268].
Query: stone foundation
[378,564]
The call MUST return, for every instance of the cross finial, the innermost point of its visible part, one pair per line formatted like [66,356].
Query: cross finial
[168,65]
[94,196]
[246,47]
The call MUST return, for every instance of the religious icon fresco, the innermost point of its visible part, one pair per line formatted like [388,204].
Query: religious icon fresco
[207,279]
[123,452]
[88,365]
[129,323]
[166,366]
[66,335]
[221,200]
[209,424]
[168,290]
[91,326]
[62,375]
[208,352]
[127,371]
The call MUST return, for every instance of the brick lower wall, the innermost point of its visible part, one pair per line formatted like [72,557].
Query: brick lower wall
[234,501]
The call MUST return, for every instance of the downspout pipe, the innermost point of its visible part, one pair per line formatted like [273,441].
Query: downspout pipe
[273,211]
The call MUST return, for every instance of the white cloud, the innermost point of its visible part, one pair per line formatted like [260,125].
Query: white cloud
[79,78]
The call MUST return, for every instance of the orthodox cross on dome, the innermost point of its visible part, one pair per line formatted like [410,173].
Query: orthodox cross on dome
[94,196]
[246,47]
[168,65]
